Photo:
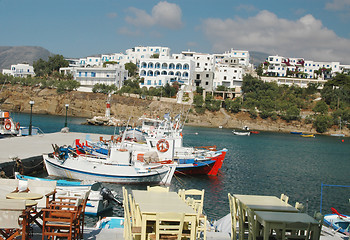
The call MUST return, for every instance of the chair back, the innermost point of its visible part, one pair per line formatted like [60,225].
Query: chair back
[169,225]
[157,189]
[252,225]
[7,186]
[300,207]
[134,211]
[234,216]
[196,195]
[10,211]
[284,198]
[46,188]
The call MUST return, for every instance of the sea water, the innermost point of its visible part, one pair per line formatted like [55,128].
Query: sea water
[266,163]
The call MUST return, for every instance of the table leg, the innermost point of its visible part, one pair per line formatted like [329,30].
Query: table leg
[266,231]
[143,227]
[193,227]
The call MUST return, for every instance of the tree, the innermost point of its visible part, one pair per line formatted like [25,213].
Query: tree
[221,88]
[322,123]
[259,69]
[320,107]
[198,104]
[132,69]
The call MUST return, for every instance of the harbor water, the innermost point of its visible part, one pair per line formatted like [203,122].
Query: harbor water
[266,164]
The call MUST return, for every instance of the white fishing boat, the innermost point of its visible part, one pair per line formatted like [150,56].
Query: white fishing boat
[118,167]
[240,133]
[339,222]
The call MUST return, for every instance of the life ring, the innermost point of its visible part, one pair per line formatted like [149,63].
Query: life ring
[7,125]
[162,145]
[18,126]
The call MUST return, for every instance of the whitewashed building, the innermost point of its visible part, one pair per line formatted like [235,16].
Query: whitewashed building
[89,76]
[229,73]
[157,72]
[20,70]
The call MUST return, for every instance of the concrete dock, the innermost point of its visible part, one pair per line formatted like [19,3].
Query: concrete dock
[29,149]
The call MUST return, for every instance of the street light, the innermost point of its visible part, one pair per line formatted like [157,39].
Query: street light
[67,105]
[31,111]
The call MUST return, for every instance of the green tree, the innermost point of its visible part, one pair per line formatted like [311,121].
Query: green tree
[233,106]
[320,107]
[198,103]
[322,123]
[291,113]
[132,69]
[221,88]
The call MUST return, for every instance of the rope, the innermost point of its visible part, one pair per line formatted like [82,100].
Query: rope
[33,166]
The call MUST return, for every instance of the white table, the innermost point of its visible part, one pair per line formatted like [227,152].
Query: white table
[281,220]
[151,203]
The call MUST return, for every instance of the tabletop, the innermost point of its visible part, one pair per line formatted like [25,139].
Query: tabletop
[285,217]
[265,203]
[24,195]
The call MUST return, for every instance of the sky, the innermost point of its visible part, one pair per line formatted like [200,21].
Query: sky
[316,30]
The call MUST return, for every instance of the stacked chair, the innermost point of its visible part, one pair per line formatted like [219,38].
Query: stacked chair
[65,217]
[234,216]
[158,189]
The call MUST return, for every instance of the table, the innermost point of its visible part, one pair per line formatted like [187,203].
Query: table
[24,196]
[281,220]
[152,202]
[264,203]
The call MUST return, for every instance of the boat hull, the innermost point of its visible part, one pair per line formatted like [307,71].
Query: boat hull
[83,170]
[338,223]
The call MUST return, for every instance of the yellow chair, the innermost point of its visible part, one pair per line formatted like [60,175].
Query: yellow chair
[300,207]
[158,189]
[242,220]
[284,198]
[130,231]
[169,226]
[252,225]
[196,195]
[234,216]
[201,225]
[134,212]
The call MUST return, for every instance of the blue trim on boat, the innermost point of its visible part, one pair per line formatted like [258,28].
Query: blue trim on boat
[60,182]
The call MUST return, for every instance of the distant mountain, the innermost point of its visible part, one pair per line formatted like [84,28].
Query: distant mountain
[258,57]
[22,54]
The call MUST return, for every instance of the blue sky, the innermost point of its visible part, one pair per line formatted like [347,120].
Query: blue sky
[313,29]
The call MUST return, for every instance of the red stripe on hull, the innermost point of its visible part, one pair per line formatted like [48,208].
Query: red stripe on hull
[218,163]
[196,170]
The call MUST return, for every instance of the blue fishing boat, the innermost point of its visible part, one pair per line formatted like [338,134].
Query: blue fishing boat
[298,133]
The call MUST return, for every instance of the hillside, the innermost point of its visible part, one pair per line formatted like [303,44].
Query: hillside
[10,55]
[81,104]
[258,57]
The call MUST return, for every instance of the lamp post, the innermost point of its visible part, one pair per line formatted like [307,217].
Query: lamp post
[31,111]
[67,105]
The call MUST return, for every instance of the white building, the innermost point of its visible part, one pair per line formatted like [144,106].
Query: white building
[89,76]
[229,73]
[20,70]
[156,72]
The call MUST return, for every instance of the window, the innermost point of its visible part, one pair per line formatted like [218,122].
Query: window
[93,74]
[207,75]
[148,82]
[224,77]
[85,74]
[198,76]
[160,82]
[79,74]
[206,83]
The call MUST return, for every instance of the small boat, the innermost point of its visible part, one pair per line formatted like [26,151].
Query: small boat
[100,200]
[298,133]
[338,135]
[241,133]
[308,135]
[339,222]
[254,132]
[110,223]
[118,167]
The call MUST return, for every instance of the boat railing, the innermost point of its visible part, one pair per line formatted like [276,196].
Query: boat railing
[211,148]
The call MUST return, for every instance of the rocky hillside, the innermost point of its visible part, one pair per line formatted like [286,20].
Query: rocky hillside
[21,54]
[82,104]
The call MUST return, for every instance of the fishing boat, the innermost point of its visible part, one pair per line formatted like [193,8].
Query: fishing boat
[339,222]
[308,135]
[100,199]
[7,126]
[297,133]
[254,132]
[118,167]
[240,133]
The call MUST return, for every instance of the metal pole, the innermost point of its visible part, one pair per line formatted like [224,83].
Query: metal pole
[31,112]
[65,124]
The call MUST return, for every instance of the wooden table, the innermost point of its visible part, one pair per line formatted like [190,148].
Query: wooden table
[264,203]
[151,203]
[24,196]
[280,221]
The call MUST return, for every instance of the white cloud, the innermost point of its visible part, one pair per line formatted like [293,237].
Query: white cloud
[338,5]
[246,7]
[164,14]
[305,37]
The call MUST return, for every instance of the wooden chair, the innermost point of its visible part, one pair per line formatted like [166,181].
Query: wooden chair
[242,221]
[284,198]
[134,212]
[158,189]
[292,232]
[62,222]
[130,231]
[169,226]
[13,219]
[196,195]
[234,216]
[201,225]
[7,186]
[252,225]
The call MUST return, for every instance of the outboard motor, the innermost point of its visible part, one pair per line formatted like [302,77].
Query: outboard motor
[107,194]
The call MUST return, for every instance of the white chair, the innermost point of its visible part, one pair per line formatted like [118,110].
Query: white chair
[300,207]
[7,186]
[11,212]
[157,189]
[46,188]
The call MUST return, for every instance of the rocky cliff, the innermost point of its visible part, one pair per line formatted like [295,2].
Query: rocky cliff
[82,104]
